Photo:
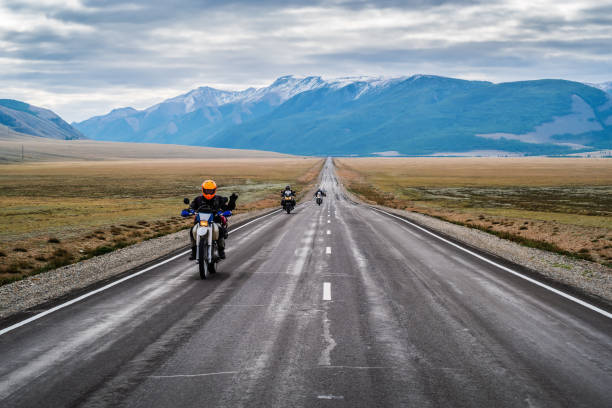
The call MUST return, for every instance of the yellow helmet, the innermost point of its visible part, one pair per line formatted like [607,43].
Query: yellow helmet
[209,189]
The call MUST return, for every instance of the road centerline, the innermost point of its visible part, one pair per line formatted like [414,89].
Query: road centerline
[326,291]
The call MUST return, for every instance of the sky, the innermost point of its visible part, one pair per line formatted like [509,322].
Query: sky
[82,58]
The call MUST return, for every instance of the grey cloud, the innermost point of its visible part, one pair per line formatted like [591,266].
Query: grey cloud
[266,4]
[46,44]
[33,37]
[403,4]
[147,12]
[597,47]
[118,43]
[480,54]
[551,24]
[599,15]
[599,10]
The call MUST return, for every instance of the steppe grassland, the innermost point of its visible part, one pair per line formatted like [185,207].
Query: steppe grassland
[558,204]
[54,213]
[17,147]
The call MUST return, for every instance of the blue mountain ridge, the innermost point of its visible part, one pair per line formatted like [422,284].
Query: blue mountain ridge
[417,115]
[32,120]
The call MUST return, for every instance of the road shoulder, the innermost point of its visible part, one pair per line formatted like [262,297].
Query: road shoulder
[29,294]
[589,279]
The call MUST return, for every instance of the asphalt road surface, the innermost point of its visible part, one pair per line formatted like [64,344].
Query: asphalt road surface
[336,305]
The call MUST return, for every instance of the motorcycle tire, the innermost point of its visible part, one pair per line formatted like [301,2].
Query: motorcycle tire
[202,264]
[288,209]
[212,266]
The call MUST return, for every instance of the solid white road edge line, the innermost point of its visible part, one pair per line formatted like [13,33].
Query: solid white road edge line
[326,291]
[110,285]
[527,278]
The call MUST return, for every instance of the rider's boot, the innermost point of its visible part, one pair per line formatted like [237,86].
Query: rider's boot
[193,243]
[221,247]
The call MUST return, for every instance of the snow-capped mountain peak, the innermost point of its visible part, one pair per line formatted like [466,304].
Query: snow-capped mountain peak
[200,97]
[282,89]
[278,92]
[604,86]
[286,87]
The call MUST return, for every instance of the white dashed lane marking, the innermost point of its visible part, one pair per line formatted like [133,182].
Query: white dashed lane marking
[331,397]
[328,250]
[328,232]
[326,291]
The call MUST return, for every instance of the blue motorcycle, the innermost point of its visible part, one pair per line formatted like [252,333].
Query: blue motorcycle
[206,233]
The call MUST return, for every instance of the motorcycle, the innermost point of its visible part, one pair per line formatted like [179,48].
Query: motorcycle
[319,199]
[288,202]
[206,236]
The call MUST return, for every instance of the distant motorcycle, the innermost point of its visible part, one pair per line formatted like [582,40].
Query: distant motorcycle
[206,235]
[288,201]
[319,196]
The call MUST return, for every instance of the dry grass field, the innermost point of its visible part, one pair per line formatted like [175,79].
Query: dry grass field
[13,144]
[55,213]
[562,205]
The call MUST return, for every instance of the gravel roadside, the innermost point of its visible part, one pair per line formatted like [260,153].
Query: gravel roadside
[589,279]
[38,289]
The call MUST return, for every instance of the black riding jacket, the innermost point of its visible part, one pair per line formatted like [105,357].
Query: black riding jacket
[217,203]
[283,193]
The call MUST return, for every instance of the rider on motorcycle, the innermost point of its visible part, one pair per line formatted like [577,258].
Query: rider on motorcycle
[215,203]
[320,191]
[291,194]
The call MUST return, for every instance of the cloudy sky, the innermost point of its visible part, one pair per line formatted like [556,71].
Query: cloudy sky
[84,57]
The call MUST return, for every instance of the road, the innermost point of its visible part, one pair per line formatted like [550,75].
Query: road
[335,305]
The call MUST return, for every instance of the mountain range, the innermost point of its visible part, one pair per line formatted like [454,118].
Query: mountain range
[416,115]
[32,120]
[195,117]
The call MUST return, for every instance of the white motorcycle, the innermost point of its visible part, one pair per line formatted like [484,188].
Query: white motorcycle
[206,233]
